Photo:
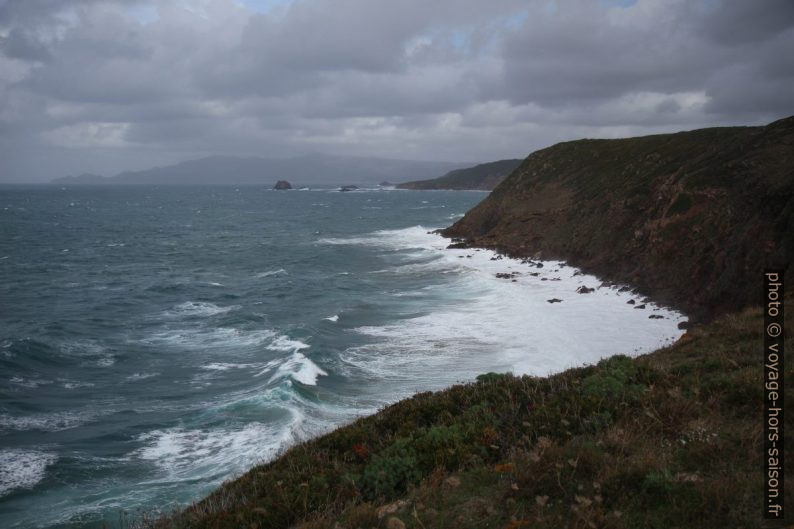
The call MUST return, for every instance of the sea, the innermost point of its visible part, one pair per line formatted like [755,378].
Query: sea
[157,341]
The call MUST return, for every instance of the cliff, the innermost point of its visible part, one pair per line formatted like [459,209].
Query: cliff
[690,218]
[482,177]
[669,439]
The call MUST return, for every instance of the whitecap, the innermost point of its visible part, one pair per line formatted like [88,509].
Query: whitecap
[188,454]
[224,366]
[461,337]
[30,383]
[271,273]
[192,309]
[220,337]
[299,368]
[23,468]
[285,343]
[140,376]
[334,318]
[46,422]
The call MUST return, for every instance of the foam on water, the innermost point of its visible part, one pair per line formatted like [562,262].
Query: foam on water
[23,468]
[334,318]
[286,344]
[48,422]
[192,309]
[489,323]
[209,338]
[224,366]
[187,454]
[299,368]
[271,273]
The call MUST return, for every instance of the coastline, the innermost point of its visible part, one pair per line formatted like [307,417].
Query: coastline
[666,439]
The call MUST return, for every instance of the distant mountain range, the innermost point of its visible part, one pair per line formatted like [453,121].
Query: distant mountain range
[484,176]
[315,169]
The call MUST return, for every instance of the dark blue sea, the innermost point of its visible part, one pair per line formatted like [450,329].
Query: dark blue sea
[155,342]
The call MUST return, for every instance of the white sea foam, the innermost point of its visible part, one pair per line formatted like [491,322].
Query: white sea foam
[30,383]
[225,366]
[135,377]
[23,468]
[106,361]
[271,273]
[286,344]
[334,318]
[214,338]
[191,309]
[188,454]
[46,422]
[299,368]
[485,323]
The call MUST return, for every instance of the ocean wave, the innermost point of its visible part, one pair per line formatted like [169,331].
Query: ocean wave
[460,339]
[216,338]
[23,468]
[46,422]
[271,273]
[194,309]
[299,368]
[212,454]
[407,238]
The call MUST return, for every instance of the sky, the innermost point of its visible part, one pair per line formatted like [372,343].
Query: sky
[107,86]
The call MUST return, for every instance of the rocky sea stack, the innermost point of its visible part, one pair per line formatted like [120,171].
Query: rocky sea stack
[282,185]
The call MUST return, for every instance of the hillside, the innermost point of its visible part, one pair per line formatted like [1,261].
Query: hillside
[670,439]
[316,169]
[484,177]
[690,218]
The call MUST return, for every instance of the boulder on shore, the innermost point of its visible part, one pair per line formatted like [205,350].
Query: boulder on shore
[282,184]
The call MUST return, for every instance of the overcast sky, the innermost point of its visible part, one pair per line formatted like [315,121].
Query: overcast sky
[104,86]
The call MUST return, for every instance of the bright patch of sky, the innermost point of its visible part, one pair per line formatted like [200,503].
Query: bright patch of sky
[263,6]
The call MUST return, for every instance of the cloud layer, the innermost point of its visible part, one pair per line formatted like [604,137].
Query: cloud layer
[104,86]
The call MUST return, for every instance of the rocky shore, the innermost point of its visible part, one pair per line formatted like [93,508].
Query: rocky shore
[691,219]
[669,439]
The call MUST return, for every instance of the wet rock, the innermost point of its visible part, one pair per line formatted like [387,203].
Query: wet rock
[655,317]
[684,325]
[640,306]
[282,185]
[584,290]
[554,300]
[631,302]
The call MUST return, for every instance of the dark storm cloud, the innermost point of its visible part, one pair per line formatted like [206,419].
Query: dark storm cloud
[99,85]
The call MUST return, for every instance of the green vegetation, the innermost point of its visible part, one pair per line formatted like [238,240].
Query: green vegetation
[484,176]
[670,439]
[691,219]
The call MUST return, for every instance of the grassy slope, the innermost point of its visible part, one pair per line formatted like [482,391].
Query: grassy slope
[691,219]
[484,176]
[670,439]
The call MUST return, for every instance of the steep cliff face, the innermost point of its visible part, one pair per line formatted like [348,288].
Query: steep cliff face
[690,218]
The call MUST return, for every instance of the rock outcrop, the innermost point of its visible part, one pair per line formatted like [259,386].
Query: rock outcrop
[691,218]
[282,185]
